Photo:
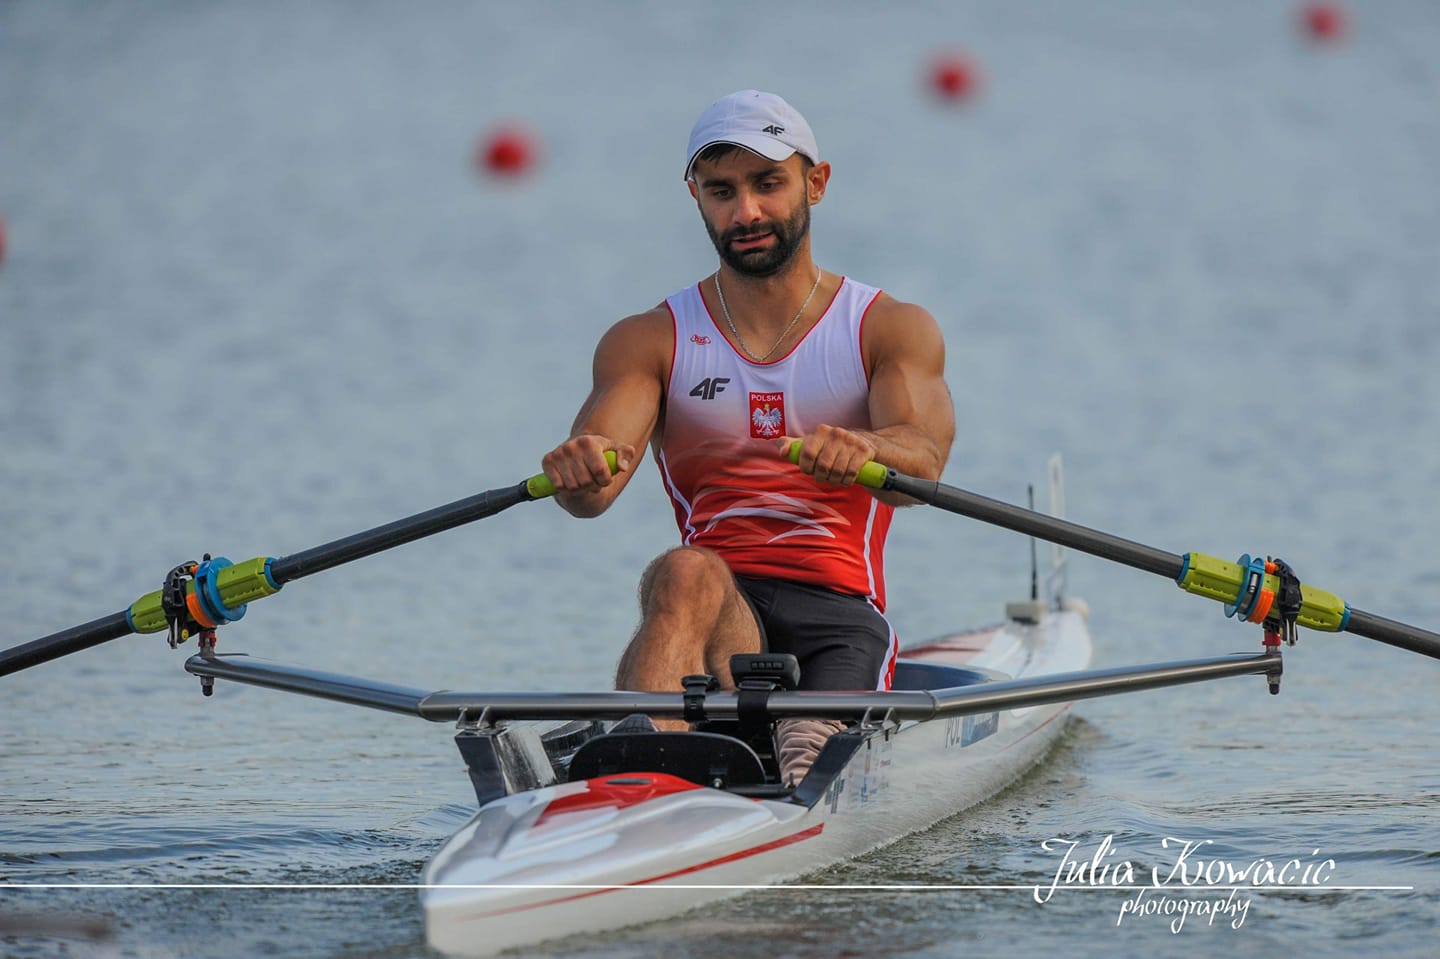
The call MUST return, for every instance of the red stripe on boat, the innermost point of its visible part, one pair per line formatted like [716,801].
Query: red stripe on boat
[733,857]
[742,854]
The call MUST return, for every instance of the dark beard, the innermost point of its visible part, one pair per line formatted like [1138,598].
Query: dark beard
[788,237]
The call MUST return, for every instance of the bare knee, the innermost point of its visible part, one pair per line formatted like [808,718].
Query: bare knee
[692,620]
[688,574]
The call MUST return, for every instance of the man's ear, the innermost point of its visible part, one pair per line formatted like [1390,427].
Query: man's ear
[694,190]
[816,180]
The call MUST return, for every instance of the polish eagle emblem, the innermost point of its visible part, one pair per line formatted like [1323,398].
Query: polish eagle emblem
[767,420]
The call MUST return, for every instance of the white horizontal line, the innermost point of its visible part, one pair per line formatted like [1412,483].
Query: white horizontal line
[696,886]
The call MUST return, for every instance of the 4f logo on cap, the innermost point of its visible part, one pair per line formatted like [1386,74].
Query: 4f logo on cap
[774,129]
[767,415]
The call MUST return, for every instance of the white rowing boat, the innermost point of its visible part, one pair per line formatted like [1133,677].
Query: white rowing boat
[671,821]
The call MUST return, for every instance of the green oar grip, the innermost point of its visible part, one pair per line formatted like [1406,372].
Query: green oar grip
[539,485]
[872,475]
[1224,581]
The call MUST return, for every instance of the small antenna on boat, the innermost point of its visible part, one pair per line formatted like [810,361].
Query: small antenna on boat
[1034,562]
[1056,585]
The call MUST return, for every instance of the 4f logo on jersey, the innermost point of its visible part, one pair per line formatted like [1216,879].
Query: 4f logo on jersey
[709,386]
[767,415]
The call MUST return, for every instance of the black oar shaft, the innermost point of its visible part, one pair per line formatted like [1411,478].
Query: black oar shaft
[381,538]
[283,570]
[1127,552]
[66,641]
[1388,631]
[1049,528]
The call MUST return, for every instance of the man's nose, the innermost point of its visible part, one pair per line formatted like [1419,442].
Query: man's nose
[747,207]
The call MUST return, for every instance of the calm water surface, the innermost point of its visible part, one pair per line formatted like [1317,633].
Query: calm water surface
[255,298]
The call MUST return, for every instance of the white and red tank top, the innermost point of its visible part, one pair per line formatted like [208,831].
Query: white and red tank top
[719,454]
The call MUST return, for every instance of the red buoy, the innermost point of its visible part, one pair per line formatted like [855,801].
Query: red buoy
[954,76]
[1323,22]
[507,151]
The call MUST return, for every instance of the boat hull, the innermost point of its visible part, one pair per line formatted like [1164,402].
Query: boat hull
[580,857]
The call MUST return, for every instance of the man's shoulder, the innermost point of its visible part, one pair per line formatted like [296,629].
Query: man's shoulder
[886,312]
[655,318]
[657,322]
[645,338]
[897,330]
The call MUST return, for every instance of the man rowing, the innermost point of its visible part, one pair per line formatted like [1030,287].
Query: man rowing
[720,379]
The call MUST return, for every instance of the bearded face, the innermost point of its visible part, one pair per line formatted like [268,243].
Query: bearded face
[768,260]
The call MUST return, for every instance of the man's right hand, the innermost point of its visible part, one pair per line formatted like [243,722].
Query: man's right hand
[578,465]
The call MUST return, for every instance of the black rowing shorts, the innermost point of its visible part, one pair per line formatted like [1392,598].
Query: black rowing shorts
[841,641]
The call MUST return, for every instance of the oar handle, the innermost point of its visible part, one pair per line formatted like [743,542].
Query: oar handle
[539,485]
[872,475]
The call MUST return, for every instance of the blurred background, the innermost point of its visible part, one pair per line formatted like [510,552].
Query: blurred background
[273,273]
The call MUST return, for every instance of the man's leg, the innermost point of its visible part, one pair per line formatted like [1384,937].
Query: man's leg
[843,643]
[799,742]
[692,620]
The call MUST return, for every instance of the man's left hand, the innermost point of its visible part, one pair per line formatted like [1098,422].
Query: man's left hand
[831,454]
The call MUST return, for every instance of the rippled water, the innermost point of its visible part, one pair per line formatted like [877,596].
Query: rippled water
[255,298]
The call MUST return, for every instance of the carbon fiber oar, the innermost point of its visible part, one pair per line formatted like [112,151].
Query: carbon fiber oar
[1243,587]
[218,592]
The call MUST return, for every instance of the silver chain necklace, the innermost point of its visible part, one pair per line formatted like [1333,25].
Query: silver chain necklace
[741,340]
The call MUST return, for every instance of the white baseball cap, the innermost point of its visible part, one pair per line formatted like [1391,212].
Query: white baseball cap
[762,123]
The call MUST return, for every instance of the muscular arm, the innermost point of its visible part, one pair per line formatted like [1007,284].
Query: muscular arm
[630,369]
[911,413]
